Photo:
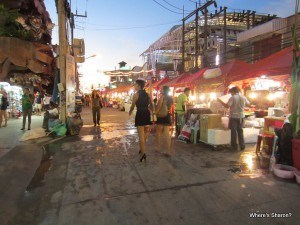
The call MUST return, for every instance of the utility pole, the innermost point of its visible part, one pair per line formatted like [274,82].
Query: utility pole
[62,57]
[225,35]
[197,38]
[183,40]
[72,25]
[217,13]
[205,32]
[196,12]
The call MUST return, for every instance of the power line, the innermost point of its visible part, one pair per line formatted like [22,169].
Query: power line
[118,26]
[136,27]
[176,7]
[192,1]
[166,7]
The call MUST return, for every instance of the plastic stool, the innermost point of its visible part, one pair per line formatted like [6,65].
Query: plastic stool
[269,138]
[194,134]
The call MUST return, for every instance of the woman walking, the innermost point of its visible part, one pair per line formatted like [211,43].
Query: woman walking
[164,121]
[142,102]
[96,106]
[4,105]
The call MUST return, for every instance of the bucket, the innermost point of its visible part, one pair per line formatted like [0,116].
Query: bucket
[296,153]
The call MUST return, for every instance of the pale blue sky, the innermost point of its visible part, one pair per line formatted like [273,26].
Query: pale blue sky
[118,30]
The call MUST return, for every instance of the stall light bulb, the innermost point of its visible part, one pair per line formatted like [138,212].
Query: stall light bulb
[193,97]
[253,95]
[263,76]
[271,97]
[170,93]
[213,96]
[202,97]
[279,94]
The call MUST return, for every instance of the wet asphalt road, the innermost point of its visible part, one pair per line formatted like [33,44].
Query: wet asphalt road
[96,178]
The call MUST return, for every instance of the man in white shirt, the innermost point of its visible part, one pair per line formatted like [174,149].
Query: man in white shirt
[236,103]
[46,101]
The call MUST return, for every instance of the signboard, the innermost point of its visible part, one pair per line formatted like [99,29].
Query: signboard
[70,84]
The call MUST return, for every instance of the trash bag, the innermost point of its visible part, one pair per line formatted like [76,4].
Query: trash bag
[59,129]
[185,133]
[74,125]
[52,123]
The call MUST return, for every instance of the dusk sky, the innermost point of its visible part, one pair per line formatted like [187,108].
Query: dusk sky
[120,30]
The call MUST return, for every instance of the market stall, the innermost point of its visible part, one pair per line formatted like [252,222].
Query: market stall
[14,94]
[120,97]
[266,85]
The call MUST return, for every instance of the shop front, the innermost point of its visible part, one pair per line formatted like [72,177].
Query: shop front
[14,94]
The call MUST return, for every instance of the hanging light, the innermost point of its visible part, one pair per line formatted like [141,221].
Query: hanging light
[253,95]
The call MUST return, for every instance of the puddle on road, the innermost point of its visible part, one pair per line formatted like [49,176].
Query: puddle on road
[250,165]
[109,131]
[45,165]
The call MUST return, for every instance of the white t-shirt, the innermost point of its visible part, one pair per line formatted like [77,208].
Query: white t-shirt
[237,104]
[47,100]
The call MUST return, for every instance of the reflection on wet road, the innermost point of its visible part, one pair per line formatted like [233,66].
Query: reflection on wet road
[109,131]
[250,165]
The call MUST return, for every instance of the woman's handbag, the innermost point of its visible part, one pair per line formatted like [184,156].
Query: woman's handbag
[163,112]
[153,118]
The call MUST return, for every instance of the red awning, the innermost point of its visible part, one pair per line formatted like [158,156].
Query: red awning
[173,81]
[279,63]
[234,70]
[158,84]
[123,88]
[230,72]
[190,80]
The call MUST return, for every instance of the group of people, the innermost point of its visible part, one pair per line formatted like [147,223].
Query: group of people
[161,110]
[28,100]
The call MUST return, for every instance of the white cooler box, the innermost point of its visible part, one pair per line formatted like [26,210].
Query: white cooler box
[250,134]
[218,137]
[222,137]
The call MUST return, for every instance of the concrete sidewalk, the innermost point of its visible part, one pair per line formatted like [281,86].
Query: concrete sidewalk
[19,161]
[97,178]
[10,135]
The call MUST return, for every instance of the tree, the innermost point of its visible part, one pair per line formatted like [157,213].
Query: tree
[294,103]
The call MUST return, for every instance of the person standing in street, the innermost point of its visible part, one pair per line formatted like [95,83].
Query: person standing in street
[27,101]
[87,100]
[96,106]
[3,109]
[164,121]
[180,110]
[46,101]
[38,104]
[142,101]
[236,103]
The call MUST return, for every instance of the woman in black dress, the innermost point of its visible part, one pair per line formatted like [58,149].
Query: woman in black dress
[142,101]
[164,122]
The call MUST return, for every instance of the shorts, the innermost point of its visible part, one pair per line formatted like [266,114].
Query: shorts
[38,106]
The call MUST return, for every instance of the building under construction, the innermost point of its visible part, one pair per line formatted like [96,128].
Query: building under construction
[207,37]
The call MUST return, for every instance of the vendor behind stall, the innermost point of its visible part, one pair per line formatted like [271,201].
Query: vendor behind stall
[236,103]
[180,110]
